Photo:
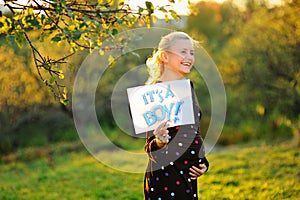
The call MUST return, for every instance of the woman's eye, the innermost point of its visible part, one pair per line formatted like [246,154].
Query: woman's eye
[187,52]
[183,52]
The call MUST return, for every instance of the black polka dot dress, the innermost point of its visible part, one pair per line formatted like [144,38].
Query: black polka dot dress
[167,175]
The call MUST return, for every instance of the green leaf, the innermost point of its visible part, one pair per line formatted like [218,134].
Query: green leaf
[47,66]
[66,31]
[36,23]
[141,10]
[76,35]
[71,67]
[64,101]
[150,7]
[56,39]
[52,79]
[115,31]
[19,38]
[120,21]
[162,9]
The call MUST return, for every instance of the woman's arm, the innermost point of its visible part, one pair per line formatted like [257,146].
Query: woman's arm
[195,172]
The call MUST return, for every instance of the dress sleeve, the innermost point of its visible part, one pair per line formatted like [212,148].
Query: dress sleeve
[202,154]
[205,162]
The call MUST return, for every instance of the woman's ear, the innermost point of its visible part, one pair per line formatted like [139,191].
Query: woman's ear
[164,57]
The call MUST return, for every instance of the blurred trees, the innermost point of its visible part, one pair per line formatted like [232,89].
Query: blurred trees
[29,115]
[51,34]
[257,51]
[267,49]
[215,23]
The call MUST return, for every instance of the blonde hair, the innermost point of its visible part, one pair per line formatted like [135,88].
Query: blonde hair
[154,64]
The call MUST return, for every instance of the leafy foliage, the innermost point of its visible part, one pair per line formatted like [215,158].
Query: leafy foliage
[81,24]
[270,60]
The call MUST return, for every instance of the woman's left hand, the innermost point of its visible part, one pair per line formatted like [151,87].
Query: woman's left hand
[195,172]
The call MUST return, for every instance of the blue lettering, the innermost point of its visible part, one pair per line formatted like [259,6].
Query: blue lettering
[145,99]
[169,110]
[163,114]
[150,118]
[150,93]
[178,105]
[161,99]
[169,92]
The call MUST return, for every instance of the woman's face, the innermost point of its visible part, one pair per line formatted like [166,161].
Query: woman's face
[180,57]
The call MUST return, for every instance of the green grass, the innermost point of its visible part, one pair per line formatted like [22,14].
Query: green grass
[260,171]
[264,171]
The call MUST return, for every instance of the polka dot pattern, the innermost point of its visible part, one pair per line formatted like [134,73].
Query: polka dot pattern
[168,173]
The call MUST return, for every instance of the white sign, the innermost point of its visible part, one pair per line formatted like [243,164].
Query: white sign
[151,105]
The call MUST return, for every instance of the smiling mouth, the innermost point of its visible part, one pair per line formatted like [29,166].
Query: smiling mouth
[187,64]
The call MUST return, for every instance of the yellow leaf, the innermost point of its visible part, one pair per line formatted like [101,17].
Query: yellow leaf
[47,26]
[73,44]
[111,61]
[166,17]
[154,19]
[260,109]
[61,75]
[72,27]
[101,52]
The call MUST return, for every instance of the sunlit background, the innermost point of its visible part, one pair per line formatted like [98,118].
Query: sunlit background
[255,45]
[182,6]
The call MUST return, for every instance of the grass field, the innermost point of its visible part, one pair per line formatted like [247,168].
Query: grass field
[257,171]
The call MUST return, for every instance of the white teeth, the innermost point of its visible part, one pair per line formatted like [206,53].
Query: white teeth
[188,64]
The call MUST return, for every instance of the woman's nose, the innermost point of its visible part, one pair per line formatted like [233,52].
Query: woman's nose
[189,56]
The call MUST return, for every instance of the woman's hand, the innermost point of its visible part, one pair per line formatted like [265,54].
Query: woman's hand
[195,172]
[161,134]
